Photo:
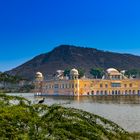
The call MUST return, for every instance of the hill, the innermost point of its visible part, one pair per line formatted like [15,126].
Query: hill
[66,56]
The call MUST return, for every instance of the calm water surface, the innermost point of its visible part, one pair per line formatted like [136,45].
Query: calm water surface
[123,110]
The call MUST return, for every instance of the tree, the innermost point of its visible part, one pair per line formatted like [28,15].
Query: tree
[4,77]
[25,121]
[133,73]
[81,72]
[97,72]
[67,72]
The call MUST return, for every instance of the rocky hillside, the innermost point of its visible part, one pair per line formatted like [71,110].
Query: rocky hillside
[66,56]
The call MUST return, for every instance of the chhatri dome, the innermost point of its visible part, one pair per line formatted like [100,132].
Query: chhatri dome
[39,75]
[112,70]
[74,72]
[114,74]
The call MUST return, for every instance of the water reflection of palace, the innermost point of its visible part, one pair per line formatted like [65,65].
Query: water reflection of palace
[112,83]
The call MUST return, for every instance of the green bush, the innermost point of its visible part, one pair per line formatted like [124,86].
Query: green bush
[21,120]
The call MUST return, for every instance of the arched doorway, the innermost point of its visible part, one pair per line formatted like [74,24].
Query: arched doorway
[101,92]
[125,92]
[105,92]
[92,92]
[97,93]
[113,92]
[119,92]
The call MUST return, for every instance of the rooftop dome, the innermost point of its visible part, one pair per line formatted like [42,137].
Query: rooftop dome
[112,70]
[74,72]
[39,74]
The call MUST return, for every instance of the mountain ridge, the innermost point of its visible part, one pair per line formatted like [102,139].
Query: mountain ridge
[69,56]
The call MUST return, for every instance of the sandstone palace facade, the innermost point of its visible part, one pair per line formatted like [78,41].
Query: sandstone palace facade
[112,83]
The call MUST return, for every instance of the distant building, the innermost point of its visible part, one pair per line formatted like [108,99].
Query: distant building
[112,83]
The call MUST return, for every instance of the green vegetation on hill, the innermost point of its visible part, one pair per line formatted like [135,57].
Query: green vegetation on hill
[20,120]
[4,77]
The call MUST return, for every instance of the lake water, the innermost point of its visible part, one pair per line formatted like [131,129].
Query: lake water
[123,110]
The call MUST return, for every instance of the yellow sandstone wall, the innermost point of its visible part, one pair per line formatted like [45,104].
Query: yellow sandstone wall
[80,87]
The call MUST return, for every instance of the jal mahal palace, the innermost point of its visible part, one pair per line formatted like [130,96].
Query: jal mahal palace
[113,82]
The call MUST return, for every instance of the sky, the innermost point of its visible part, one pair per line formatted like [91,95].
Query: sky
[31,27]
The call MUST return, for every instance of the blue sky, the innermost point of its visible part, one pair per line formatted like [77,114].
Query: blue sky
[32,27]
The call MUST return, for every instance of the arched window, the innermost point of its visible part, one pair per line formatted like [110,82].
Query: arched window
[101,85]
[112,92]
[105,92]
[92,92]
[125,85]
[125,91]
[63,86]
[119,92]
[101,92]
[72,85]
[97,93]
[130,85]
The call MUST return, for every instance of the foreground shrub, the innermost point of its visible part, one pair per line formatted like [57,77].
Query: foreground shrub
[19,120]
